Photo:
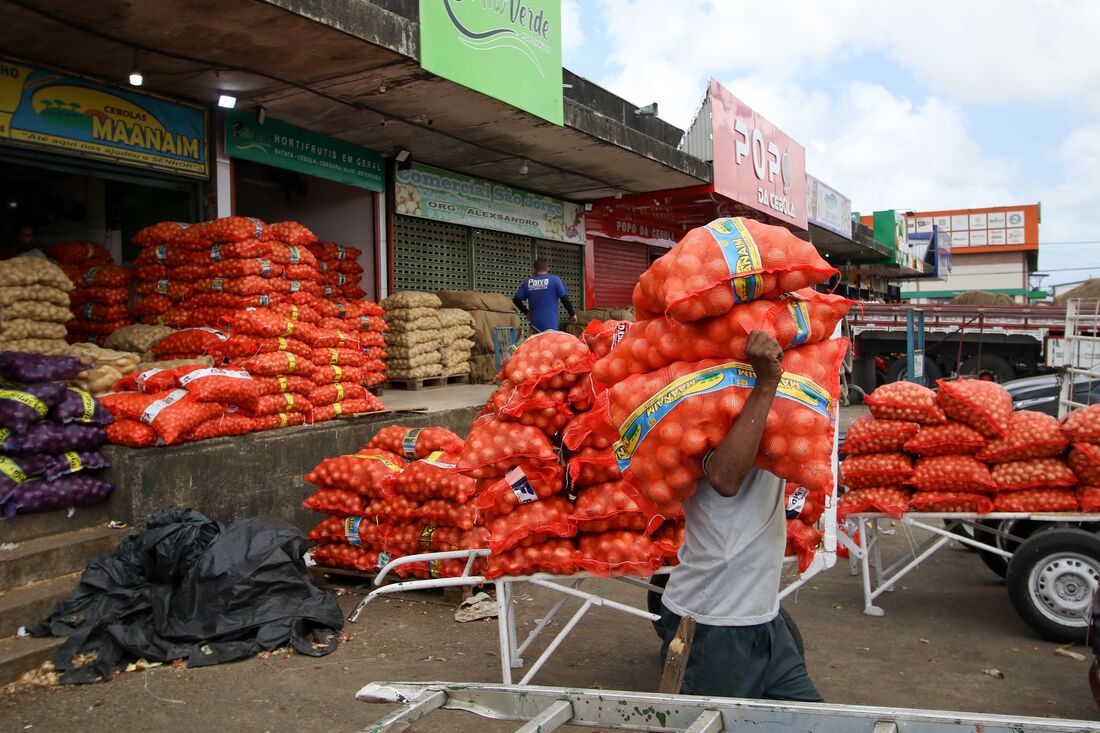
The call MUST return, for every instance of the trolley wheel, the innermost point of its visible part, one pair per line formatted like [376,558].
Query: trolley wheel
[1021,528]
[899,371]
[1052,578]
[962,530]
[991,368]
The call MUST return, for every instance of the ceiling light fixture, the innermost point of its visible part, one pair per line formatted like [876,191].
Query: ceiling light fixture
[261,115]
[226,101]
[618,194]
[524,168]
[402,154]
[136,78]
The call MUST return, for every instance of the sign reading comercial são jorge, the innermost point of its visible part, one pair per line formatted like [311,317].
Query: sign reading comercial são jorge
[71,115]
[507,49]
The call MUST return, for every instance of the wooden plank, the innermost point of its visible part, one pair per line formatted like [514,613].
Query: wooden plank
[672,676]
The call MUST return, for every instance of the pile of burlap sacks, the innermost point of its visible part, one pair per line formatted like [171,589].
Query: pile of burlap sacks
[487,311]
[34,306]
[415,340]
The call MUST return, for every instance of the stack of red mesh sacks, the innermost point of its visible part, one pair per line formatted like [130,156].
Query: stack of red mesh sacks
[101,293]
[399,495]
[963,449]
[679,377]
[341,272]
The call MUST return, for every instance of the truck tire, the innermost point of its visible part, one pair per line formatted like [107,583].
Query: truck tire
[1052,579]
[899,371]
[992,368]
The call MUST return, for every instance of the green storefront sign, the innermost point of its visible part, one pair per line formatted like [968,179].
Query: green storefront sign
[507,49]
[287,146]
[432,193]
[71,115]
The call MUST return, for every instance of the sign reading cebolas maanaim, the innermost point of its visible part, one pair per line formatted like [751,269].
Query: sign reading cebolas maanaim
[432,193]
[43,109]
[283,145]
[507,49]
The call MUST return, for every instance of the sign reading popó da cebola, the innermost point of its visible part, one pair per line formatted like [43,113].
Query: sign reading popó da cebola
[71,115]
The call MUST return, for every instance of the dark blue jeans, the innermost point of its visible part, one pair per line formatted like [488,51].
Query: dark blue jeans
[758,662]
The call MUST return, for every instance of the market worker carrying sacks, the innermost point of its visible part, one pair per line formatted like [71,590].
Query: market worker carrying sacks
[730,563]
[541,292]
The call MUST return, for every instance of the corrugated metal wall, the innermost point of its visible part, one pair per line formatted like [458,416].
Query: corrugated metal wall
[618,266]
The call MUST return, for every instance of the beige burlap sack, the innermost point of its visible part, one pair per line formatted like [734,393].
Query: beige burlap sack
[123,361]
[411,338]
[138,337]
[402,364]
[473,301]
[485,322]
[33,271]
[407,352]
[410,314]
[421,372]
[49,347]
[457,370]
[35,310]
[483,368]
[411,299]
[460,332]
[450,317]
[424,323]
[13,294]
[99,379]
[22,328]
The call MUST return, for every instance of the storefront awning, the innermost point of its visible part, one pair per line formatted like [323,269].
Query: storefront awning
[350,70]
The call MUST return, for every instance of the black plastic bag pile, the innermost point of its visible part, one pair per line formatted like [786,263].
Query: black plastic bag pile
[194,589]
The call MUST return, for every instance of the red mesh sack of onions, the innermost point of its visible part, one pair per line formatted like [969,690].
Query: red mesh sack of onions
[446,539]
[282,384]
[532,524]
[436,569]
[263,323]
[151,305]
[231,423]
[229,386]
[174,289]
[607,506]
[803,504]
[285,254]
[101,276]
[338,357]
[78,253]
[362,473]
[1089,498]
[131,433]
[556,556]
[165,231]
[545,409]
[578,434]
[197,341]
[346,407]
[590,466]
[337,502]
[1030,435]
[433,478]
[601,336]
[495,446]
[952,473]
[173,415]
[727,262]
[449,514]
[103,312]
[291,232]
[905,401]
[297,312]
[325,338]
[582,395]
[618,552]
[892,501]
[802,318]
[1084,459]
[234,229]
[392,509]
[273,404]
[1036,500]
[496,496]
[239,346]
[872,470]
[950,439]
[550,359]
[327,394]
[668,539]
[871,435]
[326,374]
[984,406]
[1083,425]
[951,501]
[670,418]
[274,422]
[415,442]
[802,542]
[275,363]
[344,556]
[1037,473]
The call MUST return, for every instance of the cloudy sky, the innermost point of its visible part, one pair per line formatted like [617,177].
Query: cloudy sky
[904,105]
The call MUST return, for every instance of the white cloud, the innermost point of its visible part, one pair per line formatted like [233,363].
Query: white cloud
[1069,209]
[572,29]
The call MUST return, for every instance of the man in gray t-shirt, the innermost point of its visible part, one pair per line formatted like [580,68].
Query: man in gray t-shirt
[731,560]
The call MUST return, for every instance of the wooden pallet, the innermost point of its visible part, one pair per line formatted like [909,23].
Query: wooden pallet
[417,384]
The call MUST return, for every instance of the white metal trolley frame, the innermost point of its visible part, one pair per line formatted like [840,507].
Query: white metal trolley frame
[568,587]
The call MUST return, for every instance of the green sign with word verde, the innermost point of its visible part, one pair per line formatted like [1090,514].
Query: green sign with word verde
[294,148]
[507,49]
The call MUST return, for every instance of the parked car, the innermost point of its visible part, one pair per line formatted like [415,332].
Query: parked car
[1041,393]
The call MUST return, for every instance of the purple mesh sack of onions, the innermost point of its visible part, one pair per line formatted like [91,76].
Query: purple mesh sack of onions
[28,368]
[43,496]
[77,406]
[73,461]
[48,437]
[21,407]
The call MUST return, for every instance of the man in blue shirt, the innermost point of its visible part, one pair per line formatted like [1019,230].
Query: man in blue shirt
[543,291]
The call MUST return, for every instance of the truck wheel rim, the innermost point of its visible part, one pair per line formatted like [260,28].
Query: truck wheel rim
[1062,587]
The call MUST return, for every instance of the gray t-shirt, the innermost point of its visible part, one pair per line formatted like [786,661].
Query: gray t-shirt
[732,556]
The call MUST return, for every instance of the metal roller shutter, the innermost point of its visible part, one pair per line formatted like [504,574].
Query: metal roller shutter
[618,266]
[430,255]
[501,261]
[567,262]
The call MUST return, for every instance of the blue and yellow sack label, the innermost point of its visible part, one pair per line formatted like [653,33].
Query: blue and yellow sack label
[706,381]
[351,531]
[408,443]
[742,257]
